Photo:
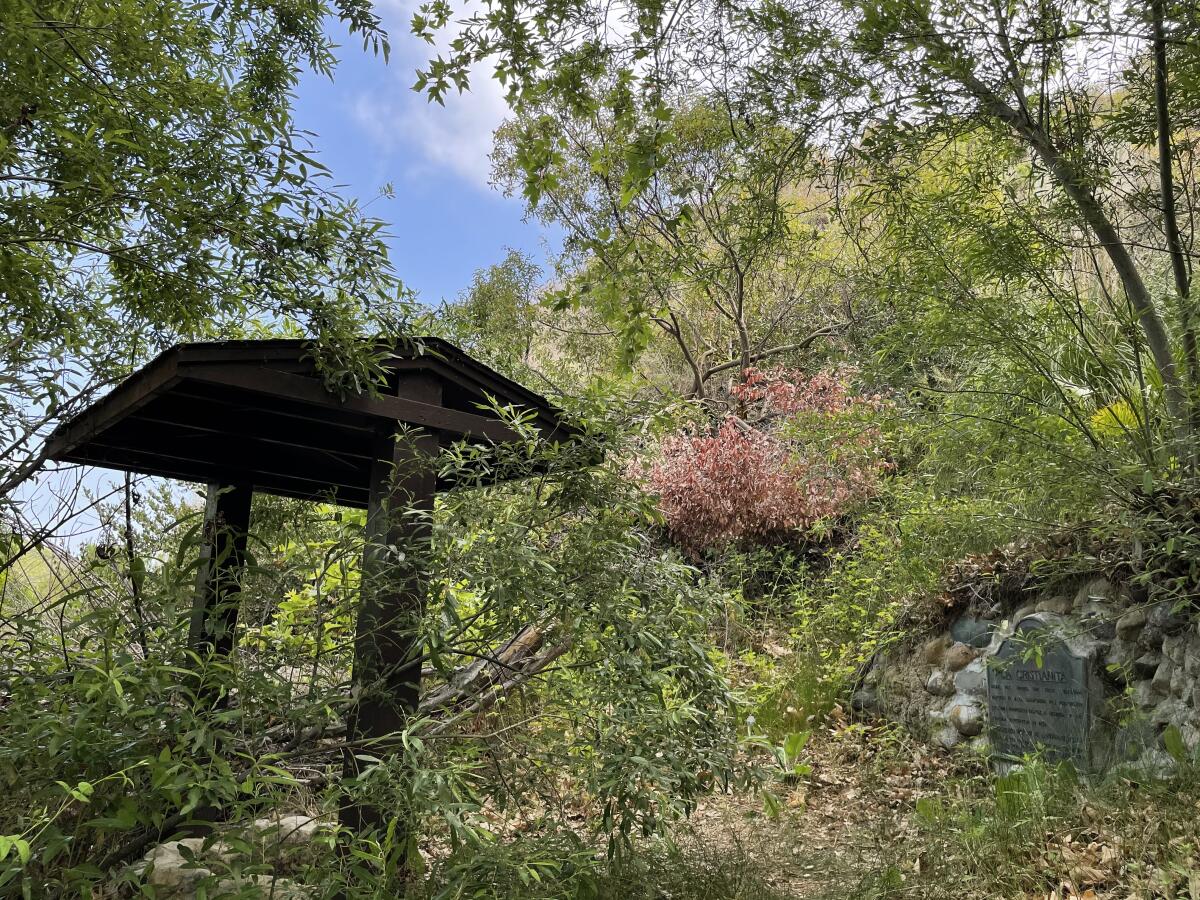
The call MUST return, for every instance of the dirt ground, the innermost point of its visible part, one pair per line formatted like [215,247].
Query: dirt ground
[856,815]
[848,816]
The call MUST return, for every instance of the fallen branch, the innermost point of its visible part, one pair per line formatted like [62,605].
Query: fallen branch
[486,671]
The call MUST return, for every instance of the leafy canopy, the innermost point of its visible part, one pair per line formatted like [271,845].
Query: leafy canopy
[154,187]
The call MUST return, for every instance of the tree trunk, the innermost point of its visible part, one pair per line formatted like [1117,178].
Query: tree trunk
[1092,213]
[1166,183]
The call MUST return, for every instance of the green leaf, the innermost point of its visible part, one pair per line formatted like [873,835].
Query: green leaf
[1173,742]
[794,743]
[772,805]
[137,573]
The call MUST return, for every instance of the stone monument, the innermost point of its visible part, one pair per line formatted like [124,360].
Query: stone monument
[1039,694]
[1102,673]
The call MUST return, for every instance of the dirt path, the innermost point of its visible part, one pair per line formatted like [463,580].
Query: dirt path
[841,823]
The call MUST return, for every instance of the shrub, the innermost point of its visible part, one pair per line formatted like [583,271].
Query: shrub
[809,453]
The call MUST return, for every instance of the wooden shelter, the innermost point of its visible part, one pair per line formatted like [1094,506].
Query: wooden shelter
[254,415]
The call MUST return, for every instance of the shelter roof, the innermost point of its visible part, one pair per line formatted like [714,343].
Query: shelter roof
[257,412]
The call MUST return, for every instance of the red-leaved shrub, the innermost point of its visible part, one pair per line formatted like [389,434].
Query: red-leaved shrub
[787,392]
[812,455]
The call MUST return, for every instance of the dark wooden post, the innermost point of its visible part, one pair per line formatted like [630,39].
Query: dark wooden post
[387,649]
[212,631]
[215,609]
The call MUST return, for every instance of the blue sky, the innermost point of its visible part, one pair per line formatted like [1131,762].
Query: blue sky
[445,220]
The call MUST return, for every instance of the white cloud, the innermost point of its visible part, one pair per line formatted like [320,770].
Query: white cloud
[456,137]
[427,136]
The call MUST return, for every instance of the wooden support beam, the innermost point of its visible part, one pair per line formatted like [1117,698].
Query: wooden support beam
[387,651]
[208,454]
[292,425]
[222,557]
[213,626]
[406,407]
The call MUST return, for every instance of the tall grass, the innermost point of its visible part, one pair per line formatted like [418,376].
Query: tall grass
[561,866]
[1042,829]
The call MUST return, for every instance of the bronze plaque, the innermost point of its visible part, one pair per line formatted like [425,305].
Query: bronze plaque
[1038,697]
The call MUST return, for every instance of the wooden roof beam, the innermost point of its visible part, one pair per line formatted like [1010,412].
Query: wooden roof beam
[309,390]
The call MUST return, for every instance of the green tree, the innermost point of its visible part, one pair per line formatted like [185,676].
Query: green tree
[154,187]
[724,257]
[1078,88]
[1028,70]
[495,317]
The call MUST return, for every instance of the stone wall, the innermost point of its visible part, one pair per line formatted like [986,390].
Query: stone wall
[1144,657]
